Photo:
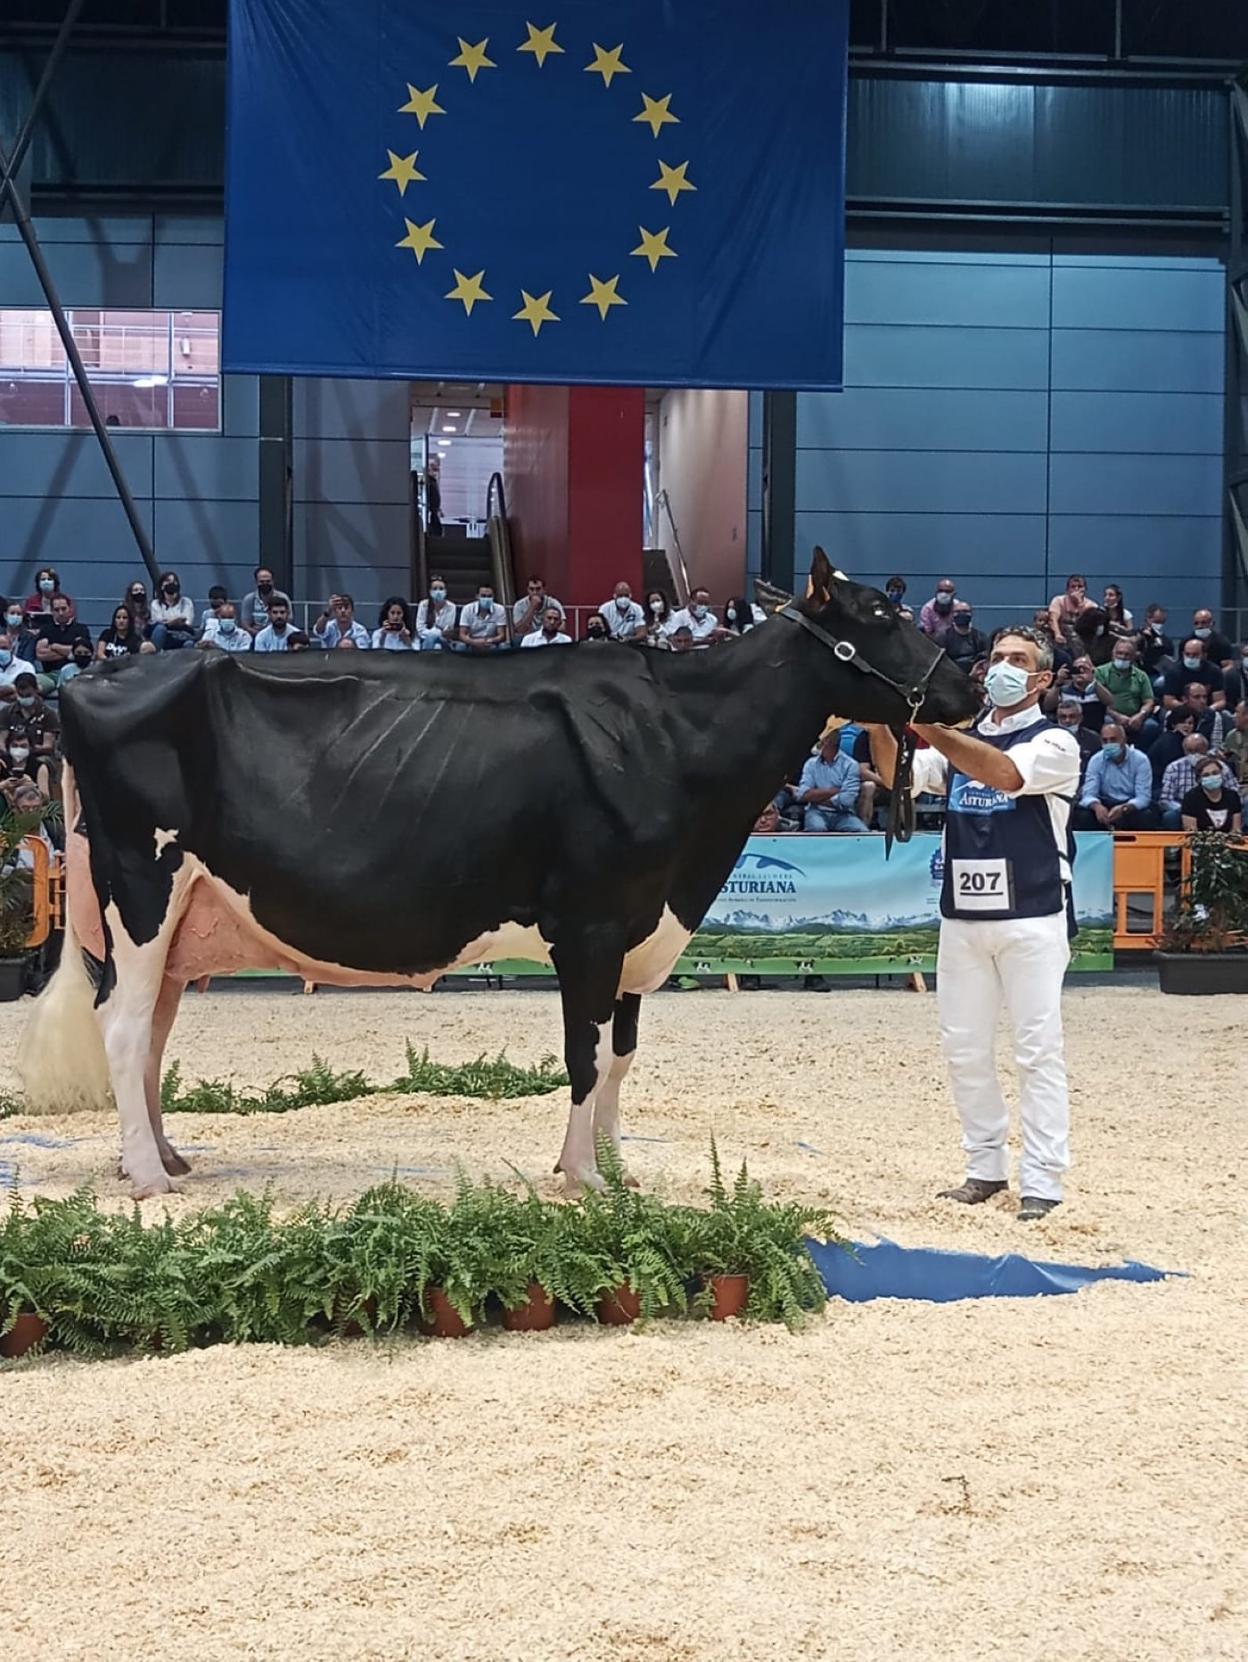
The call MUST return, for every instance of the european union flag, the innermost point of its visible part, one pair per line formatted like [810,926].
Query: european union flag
[618,191]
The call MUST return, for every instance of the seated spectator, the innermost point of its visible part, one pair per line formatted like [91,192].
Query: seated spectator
[551,632]
[346,644]
[1213,724]
[1235,745]
[1119,618]
[394,627]
[1063,658]
[20,766]
[136,598]
[47,585]
[739,619]
[227,634]
[1117,789]
[81,659]
[829,788]
[895,594]
[1156,647]
[483,625]
[1191,668]
[123,637]
[697,617]
[1180,724]
[1069,716]
[1235,679]
[1090,635]
[622,617]
[296,641]
[596,629]
[1064,608]
[253,614]
[277,635]
[10,667]
[529,610]
[217,598]
[57,635]
[936,614]
[658,616]
[337,622]
[965,644]
[681,639]
[1180,778]
[1079,681]
[1218,650]
[1211,804]
[31,804]
[23,640]
[435,619]
[1127,694]
[173,615]
[28,716]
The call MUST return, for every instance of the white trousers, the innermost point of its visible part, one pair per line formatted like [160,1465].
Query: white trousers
[1020,961]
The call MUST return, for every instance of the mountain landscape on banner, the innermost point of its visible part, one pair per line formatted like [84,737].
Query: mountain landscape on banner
[617,191]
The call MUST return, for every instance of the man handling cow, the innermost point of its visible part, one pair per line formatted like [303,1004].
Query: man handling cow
[1006,916]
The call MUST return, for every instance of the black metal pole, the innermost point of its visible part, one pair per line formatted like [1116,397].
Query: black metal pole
[779,488]
[41,92]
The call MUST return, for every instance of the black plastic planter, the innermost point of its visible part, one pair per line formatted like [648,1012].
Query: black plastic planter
[1203,972]
[12,979]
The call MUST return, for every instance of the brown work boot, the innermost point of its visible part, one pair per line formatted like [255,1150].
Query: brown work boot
[974,1192]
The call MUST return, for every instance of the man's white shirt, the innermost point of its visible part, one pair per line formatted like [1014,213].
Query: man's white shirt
[701,628]
[537,638]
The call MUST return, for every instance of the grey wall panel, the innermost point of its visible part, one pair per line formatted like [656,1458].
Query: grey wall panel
[187,276]
[240,399]
[885,355]
[753,541]
[184,228]
[1143,553]
[1091,297]
[204,538]
[754,483]
[922,418]
[48,464]
[1147,422]
[343,409]
[931,293]
[1184,485]
[920,482]
[342,470]
[84,274]
[110,232]
[203,465]
[72,533]
[756,420]
[928,546]
[361,546]
[1127,360]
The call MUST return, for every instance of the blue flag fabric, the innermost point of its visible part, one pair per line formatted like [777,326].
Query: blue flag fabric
[645,192]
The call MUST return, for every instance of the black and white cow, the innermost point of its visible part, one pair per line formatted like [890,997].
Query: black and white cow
[381,818]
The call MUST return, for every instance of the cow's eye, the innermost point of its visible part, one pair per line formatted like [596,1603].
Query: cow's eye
[880,611]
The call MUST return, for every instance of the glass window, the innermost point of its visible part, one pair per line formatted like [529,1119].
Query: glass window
[148,370]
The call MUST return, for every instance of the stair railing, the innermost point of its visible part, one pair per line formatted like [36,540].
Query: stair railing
[502,562]
[675,557]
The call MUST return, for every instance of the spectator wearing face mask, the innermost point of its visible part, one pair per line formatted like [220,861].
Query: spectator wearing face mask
[1064,608]
[551,632]
[895,594]
[21,767]
[623,618]
[27,717]
[38,603]
[596,629]
[1193,667]
[227,635]
[965,644]
[658,616]
[1156,646]
[394,628]
[738,619]
[936,614]
[136,598]
[1069,718]
[1127,694]
[11,667]
[1180,778]
[253,614]
[435,619]
[1218,650]
[1211,804]
[1117,792]
[57,636]
[337,623]
[82,659]
[173,615]
[697,617]
[483,624]
[23,640]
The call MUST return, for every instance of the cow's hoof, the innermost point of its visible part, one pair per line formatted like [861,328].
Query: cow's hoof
[173,1162]
[576,1183]
[153,1186]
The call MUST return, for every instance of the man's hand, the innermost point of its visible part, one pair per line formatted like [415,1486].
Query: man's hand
[1100,813]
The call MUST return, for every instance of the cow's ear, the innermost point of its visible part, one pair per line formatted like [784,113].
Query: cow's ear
[819,583]
[769,596]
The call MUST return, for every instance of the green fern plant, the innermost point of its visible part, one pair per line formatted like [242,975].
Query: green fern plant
[617,1237]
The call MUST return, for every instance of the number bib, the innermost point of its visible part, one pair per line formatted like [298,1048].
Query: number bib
[982,886]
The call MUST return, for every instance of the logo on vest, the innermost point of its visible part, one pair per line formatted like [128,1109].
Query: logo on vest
[966,796]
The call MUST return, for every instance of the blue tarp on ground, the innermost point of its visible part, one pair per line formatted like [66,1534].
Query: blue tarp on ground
[886,1270]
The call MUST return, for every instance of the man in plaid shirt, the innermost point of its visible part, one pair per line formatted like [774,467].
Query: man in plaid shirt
[1180,777]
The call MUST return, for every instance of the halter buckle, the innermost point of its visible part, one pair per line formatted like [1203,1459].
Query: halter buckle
[846,651]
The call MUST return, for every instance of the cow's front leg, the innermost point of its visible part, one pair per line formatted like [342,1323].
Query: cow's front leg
[126,1017]
[589,979]
[607,1099]
[162,1021]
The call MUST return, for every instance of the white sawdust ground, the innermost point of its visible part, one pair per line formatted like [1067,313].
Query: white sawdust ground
[1023,1479]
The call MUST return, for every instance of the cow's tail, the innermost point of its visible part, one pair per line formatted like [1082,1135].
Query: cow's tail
[61,1057]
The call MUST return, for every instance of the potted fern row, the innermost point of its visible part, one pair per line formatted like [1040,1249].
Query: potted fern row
[1204,946]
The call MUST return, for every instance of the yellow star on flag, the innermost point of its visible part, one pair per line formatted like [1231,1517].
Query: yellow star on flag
[541,43]
[654,246]
[603,295]
[607,63]
[420,239]
[422,104]
[657,112]
[472,58]
[469,290]
[672,180]
[535,311]
[402,170]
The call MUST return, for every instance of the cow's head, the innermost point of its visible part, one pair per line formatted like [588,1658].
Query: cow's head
[881,668]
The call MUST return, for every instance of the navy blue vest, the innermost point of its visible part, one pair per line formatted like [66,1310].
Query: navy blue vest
[1002,859]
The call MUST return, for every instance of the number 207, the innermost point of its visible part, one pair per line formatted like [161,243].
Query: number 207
[979,882]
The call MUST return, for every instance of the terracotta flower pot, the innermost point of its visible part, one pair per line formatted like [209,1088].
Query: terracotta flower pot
[535,1316]
[27,1331]
[729,1295]
[444,1321]
[619,1308]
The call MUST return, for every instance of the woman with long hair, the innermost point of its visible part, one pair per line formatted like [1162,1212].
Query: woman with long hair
[658,611]
[123,636]
[435,618]
[1120,620]
[394,627]
[738,618]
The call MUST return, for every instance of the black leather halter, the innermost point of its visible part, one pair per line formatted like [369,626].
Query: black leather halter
[900,824]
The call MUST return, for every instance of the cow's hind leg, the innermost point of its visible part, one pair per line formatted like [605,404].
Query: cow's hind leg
[163,1016]
[589,980]
[623,1049]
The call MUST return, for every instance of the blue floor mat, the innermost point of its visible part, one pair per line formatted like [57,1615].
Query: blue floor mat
[886,1270]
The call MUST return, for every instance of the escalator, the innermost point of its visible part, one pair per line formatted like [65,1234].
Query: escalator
[468,562]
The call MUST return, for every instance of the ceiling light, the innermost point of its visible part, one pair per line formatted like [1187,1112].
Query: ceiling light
[453,414]
[449,429]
